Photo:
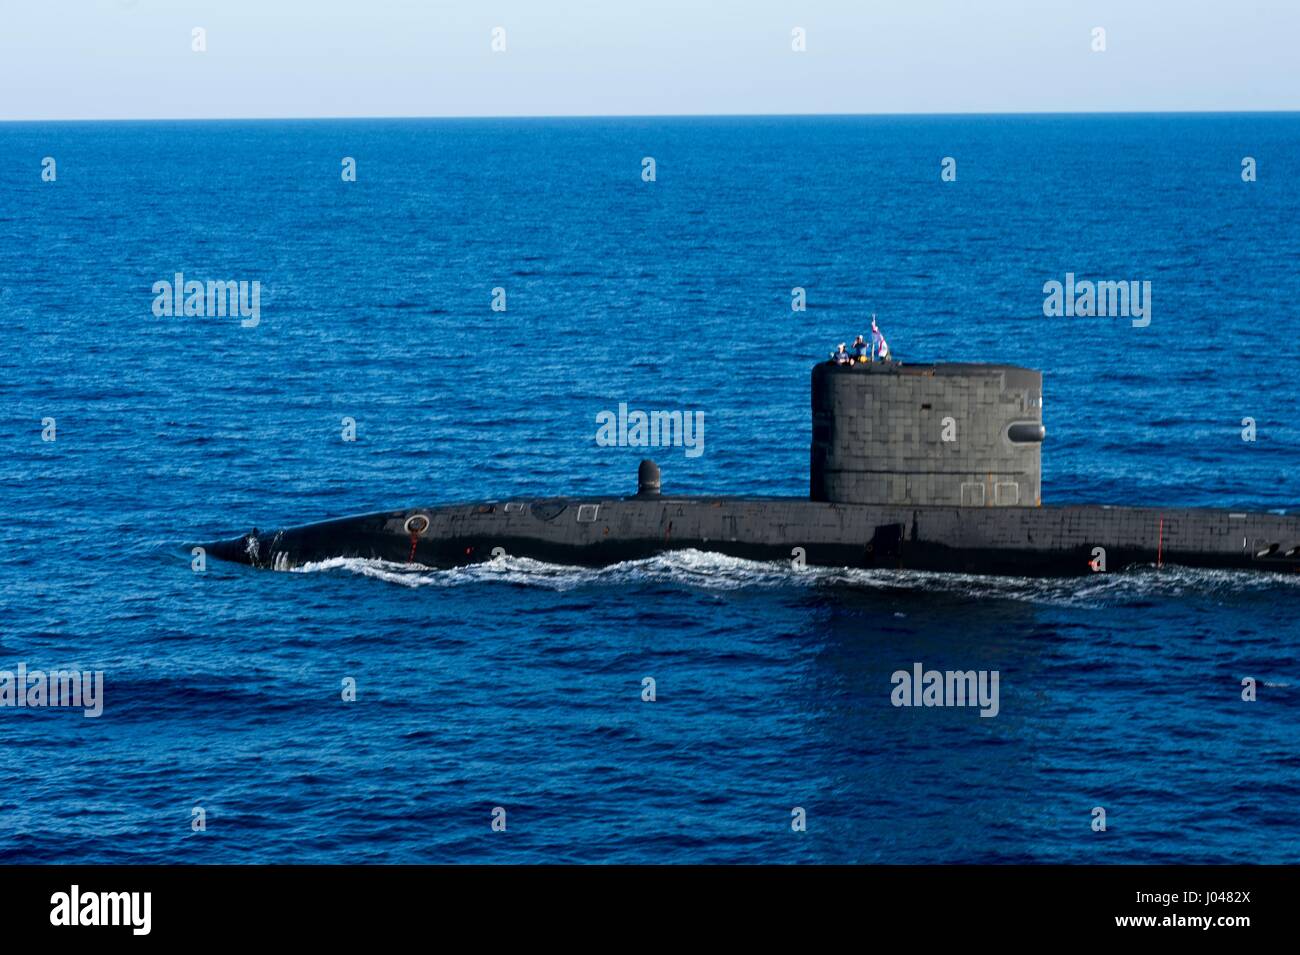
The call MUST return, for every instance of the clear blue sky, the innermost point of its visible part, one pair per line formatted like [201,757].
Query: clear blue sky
[98,59]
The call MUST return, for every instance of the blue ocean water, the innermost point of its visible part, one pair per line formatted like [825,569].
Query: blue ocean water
[518,685]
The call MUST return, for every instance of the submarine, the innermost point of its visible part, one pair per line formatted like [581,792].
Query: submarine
[914,467]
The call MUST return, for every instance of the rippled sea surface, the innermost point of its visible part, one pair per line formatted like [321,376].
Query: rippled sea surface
[518,685]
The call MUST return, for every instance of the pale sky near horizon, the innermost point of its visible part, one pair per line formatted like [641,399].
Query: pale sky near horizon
[132,59]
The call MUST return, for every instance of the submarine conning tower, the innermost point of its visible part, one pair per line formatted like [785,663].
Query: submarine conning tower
[945,434]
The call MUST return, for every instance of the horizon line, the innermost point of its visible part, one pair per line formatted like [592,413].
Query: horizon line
[546,116]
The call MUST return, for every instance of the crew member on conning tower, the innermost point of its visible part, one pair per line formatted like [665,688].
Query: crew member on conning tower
[878,344]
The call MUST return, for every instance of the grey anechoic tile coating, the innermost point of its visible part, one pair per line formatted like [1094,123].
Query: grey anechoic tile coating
[879,429]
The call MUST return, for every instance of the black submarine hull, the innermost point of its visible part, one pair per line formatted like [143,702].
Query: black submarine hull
[1021,541]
